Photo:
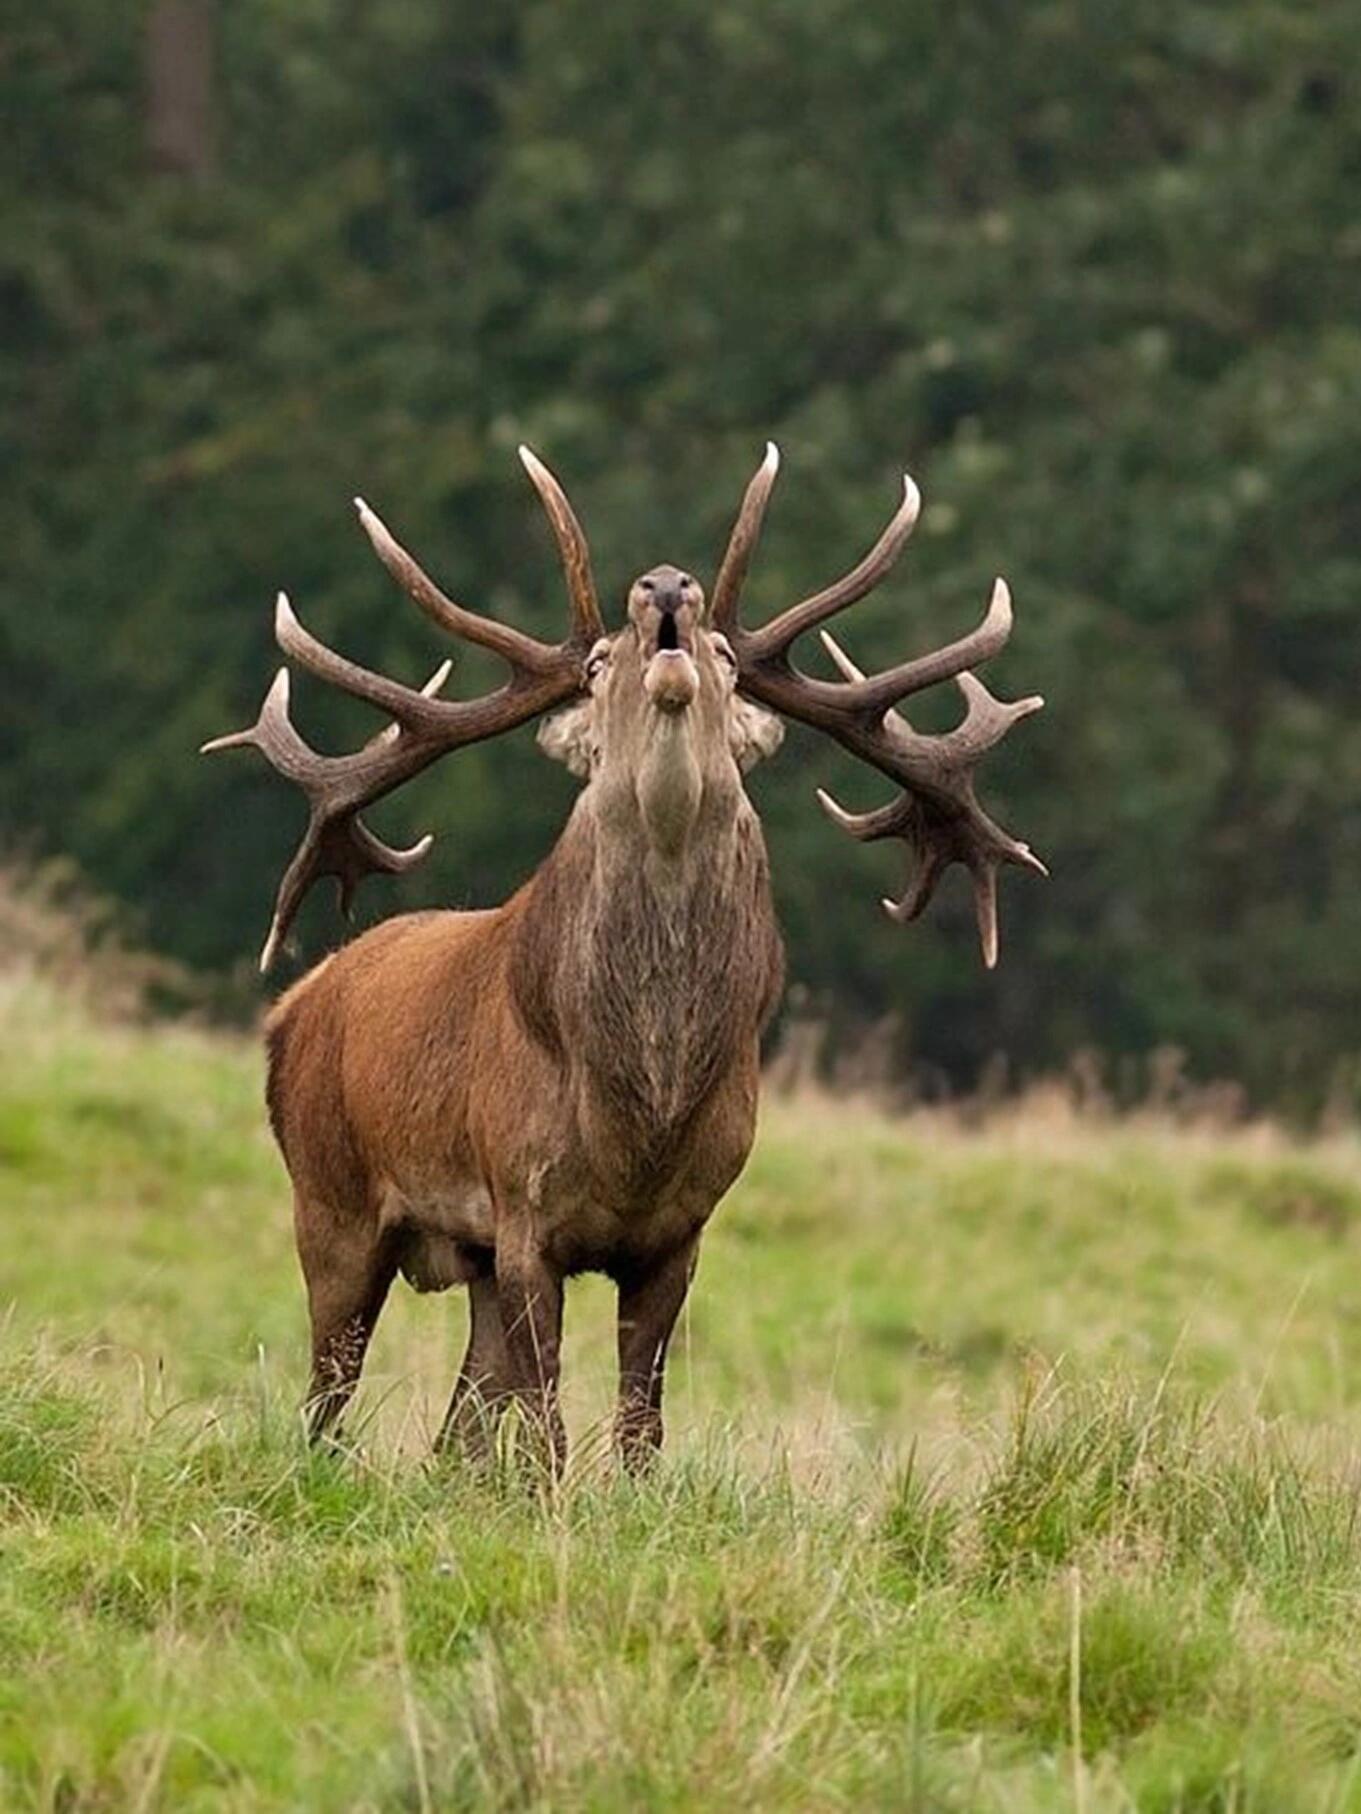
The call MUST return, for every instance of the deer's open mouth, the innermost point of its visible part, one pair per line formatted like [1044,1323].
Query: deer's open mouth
[667,634]
[670,678]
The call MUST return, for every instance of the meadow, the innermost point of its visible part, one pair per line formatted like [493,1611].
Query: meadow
[1010,1466]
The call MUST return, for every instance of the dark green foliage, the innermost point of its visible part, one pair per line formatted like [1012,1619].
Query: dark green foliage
[1091,273]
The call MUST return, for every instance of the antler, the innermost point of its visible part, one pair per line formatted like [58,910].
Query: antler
[425,727]
[937,814]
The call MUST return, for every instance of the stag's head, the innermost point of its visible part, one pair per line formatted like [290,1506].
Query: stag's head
[661,727]
[664,714]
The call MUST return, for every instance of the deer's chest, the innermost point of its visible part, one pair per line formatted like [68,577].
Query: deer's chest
[637,1184]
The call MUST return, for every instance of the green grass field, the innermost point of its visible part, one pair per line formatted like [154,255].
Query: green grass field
[1012,1469]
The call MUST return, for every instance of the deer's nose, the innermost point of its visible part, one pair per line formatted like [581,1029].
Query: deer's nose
[669,594]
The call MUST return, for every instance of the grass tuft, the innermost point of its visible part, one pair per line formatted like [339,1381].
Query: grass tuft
[1010,1469]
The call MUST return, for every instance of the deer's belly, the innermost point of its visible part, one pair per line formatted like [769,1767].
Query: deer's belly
[434,1262]
[444,1231]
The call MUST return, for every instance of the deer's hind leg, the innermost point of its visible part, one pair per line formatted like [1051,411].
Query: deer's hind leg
[349,1263]
[529,1291]
[483,1385]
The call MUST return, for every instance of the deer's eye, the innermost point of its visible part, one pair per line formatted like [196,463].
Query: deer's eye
[596,663]
[723,649]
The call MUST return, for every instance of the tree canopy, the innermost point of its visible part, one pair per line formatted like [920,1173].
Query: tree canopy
[1091,274]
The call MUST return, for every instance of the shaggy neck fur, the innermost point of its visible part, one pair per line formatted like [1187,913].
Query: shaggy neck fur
[649,954]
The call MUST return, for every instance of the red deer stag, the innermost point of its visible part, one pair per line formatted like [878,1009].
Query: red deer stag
[568,1082]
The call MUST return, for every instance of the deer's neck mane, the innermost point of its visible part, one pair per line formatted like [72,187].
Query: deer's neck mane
[649,975]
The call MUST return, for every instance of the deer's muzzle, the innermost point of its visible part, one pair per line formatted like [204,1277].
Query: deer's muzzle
[671,679]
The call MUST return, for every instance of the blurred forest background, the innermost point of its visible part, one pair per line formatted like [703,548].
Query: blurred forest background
[1092,274]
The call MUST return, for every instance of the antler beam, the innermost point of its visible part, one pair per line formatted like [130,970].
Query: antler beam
[336,841]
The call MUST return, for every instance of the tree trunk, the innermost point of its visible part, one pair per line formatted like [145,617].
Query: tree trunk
[181,117]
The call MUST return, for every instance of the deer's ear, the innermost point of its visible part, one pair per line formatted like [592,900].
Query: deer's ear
[753,733]
[566,737]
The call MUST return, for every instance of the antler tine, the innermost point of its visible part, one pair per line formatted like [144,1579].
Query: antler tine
[406,705]
[502,639]
[775,638]
[919,891]
[878,822]
[272,733]
[849,671]
[746,532]
[988,718]
[391,732]
[937,814]
[847,668]
[985,910]
[572,544]
[873,695]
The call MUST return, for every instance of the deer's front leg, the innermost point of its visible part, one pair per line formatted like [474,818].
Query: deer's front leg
[529,1291]
[650,1300]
